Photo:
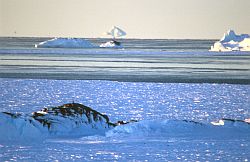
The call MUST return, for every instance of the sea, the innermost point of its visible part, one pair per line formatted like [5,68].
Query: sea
[157,82]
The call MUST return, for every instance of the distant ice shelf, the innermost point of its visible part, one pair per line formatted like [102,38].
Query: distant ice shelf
[232,42]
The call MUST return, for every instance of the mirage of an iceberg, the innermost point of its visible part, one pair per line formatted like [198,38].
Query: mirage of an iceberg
[115,32]
[232,42]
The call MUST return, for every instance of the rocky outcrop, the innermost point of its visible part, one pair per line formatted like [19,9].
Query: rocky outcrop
[71,119]
[77,112]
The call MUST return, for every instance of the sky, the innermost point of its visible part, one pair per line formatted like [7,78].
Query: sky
[167,19]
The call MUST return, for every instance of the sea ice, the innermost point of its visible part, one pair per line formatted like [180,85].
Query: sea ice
[232,42]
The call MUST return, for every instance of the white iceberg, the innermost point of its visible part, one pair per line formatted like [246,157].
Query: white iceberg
[65,43]
[232,42]
[111,44]
[116,32]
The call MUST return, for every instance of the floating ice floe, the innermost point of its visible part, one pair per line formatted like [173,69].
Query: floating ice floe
[232,42]
[65,43]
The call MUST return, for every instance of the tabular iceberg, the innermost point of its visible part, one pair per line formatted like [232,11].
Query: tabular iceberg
[232,42]
[65,43]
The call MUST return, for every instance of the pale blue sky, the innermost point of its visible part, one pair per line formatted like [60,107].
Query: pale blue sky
[139,18]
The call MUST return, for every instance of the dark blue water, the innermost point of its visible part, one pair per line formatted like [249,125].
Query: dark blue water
[141,60]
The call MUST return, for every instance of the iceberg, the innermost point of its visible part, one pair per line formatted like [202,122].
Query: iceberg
[65,43]
[111,44]
[232,42]
[115,32]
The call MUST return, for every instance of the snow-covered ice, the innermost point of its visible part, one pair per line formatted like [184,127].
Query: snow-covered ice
[76,120]
[232,42]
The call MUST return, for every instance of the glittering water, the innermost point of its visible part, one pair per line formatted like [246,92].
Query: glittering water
[145,44]
[126,100]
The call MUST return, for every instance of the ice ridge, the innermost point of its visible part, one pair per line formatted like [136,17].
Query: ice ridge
[76,120]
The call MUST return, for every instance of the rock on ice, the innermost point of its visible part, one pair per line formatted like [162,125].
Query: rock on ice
[67,120]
